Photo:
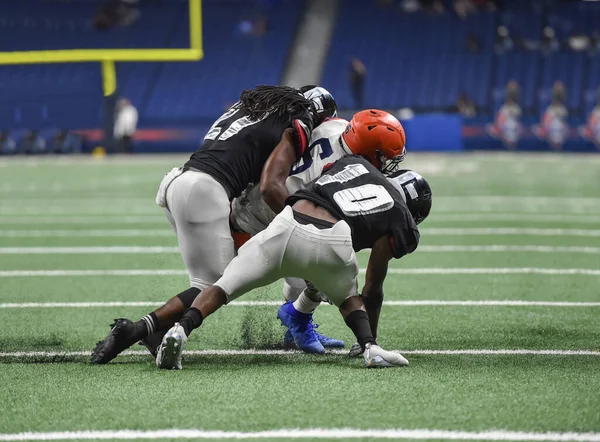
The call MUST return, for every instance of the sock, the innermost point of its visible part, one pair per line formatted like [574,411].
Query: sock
[187,296]
[304,304]
[146,326]
[358,321]
[192,319]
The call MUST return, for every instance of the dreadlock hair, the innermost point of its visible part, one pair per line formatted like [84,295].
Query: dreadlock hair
[275,99]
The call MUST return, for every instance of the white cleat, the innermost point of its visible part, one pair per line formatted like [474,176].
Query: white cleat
[377,357]
[355,350]
[168,356]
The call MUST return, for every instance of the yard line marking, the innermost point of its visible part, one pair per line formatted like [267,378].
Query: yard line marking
[254,352]
[88,250]
[515,216]
[85,233]
[509,231]
[111,219]
[407,303]
[410,271]
[304,433]
[425,232]
[165,249]
[100,218]
[506,248]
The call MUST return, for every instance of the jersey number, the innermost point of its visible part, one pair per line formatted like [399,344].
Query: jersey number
[234,127]
[307,160]
[363,200]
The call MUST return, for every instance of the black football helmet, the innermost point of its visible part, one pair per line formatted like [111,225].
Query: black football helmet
[416,191]
[323,101]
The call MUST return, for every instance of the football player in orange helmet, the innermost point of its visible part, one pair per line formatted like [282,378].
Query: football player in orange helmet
[379,137]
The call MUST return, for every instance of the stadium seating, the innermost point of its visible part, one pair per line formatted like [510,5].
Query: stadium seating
[69,95]
[416,60]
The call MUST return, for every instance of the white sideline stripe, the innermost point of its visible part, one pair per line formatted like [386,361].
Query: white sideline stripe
[156,219]
[508,248]
[304,433]
[521,217]
[408,303]
[112,219]
[253,352]
[85,233]
[165,249]
[426,231]
[414,271]
[509,231]
[88,250]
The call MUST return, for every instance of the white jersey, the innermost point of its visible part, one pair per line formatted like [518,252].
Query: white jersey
[250,214]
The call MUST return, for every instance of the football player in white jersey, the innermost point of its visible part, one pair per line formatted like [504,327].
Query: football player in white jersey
[372,133]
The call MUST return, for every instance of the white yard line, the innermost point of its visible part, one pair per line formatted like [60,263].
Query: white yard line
[441,218]
[413,271]
[165,249]
[304,433]
[110,219]
[508,231]
[89,250]
[253,352]
[506,248]
[425,232]
[514,216]
[407,303]
[86,233]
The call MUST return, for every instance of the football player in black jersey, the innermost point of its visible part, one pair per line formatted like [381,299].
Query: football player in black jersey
[351,207]
[256,141]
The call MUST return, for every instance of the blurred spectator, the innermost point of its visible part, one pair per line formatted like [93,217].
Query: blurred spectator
[465,106]
[512,92]
[490,5]
[257,27]
[463,8]
[549,41]
[507,123]
[66,142]
[473,43]
[553,127]
[578,41]
[7,144]
[591,130]
[559,93]
[410,6]
[126,120]
[33,143]
[433,6]
[358,71]
[503,41]
[116,13]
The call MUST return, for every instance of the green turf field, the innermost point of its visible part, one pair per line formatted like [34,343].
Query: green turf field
[515,236]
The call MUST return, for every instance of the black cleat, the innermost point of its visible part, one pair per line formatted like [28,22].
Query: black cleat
[122,336]
[152,342]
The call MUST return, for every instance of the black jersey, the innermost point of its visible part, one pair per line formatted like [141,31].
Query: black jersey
[236,148]
[355,191]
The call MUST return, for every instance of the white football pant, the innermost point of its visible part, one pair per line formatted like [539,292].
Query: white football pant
[290,249]
[198,209]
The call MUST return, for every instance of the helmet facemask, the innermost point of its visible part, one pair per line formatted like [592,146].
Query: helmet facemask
[388,166]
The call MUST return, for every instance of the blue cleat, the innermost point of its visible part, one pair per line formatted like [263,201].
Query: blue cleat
[300,327]
[326,341]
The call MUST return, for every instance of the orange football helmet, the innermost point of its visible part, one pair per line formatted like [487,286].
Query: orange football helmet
[377,136]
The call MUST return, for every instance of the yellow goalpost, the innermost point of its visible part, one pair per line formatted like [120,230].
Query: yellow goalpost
[108,57]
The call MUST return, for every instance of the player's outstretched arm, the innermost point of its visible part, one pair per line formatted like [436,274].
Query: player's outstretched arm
[377,268]
[276,170]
